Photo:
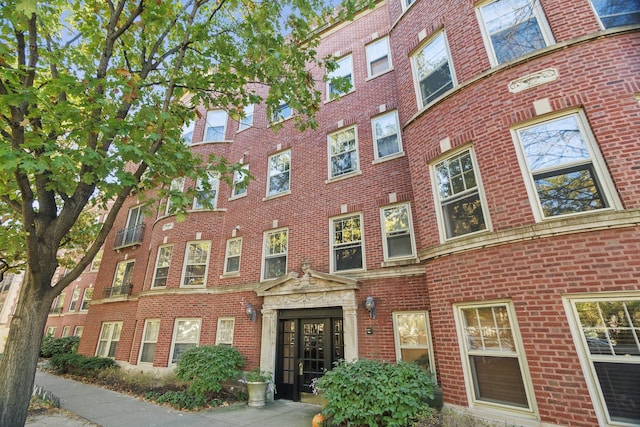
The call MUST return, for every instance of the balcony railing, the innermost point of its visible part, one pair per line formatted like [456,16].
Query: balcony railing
[129,236]
[116,291]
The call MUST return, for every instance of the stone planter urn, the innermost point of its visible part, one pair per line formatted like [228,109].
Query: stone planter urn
[257,393]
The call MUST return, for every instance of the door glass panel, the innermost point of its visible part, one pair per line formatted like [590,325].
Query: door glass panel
[288,351]
[312,351]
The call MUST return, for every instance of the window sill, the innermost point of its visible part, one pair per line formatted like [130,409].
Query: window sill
[399,262]
[339,97]
[387,158]
[275,196]
[207,210]
[243,129]
[345,176]
[224,141]
[388,70]
[229,275]
[237,197]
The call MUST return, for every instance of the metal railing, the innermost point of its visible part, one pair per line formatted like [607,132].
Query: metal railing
[129,236]
[117,291]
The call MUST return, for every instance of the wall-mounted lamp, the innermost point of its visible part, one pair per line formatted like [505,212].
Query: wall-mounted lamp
[251,312]
[370,305]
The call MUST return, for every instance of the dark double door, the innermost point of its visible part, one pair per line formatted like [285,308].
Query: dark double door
[309,341]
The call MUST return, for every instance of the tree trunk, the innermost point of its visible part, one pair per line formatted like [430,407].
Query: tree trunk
[20,358]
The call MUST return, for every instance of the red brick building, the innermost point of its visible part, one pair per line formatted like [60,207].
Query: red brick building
[472,204]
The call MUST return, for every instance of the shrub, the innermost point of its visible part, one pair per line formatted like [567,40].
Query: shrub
[178,399]
[73,363]
[207,367]
[373,393]
[52,346]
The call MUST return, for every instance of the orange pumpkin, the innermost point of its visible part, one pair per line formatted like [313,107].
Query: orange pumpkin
[317,421]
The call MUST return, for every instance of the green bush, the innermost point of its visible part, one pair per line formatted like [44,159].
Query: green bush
[73,363]
[207,367]
[373,393]
[178,399]
[52,346]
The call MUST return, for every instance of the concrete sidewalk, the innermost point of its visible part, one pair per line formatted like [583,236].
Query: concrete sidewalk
[108,408]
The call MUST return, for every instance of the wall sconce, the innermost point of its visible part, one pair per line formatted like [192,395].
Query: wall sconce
[370,305]
[251,312]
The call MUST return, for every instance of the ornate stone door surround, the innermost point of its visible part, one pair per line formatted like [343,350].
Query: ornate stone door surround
[312,290]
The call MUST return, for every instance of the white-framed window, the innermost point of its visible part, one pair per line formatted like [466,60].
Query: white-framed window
[616,13]
[187,132]
[216,126]
[406,4]
[149,340]
[224,333]
[282,112]
[343,152]
[513,28]
[461,208]
[397,232]
[387,141]
[378,57]
[433,70]
[412,336]
[493,360]
[233,253]
[606,329]
[247,121]
[97,260]
[240,182]
[196,262]
[122,278]
[347,243]
[177,186]
[186,334]
[58,304]
[78,330]
[86,299]
[75,297]
[206,198]
[343,75]
[66,331]
[274,260]
[163,261]
[132,233]
[279,173]
[562,167]
[109,338]
[51,331]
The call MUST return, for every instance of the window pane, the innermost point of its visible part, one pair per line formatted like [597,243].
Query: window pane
[247,121]
[178,349]
[348,258]
[344,155]
[275,267]
[378,56]
[148,352]
[615,13]
[433,70]
[386,134]
[233,264]
[513,28]
[498,380]
[619,384]
[574,191]
[463,216]
[279,167]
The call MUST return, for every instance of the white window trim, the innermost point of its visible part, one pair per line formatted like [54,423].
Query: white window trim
[234,194]
[334,74]
[66,331]
[51,331]
[429,345]
[264,252]
[281,193]
[276,118]
[96,262]
[175,332]
[227,273]
[358,171]
[371,76]
[75,299]
[249,111]
[155,268]
[126,263]
[219,330]
[591,378]
[184,265]
[332,244]
[532,411]
[186,128]
[76,329]
[385,245]
[541,18]
[207,125]
[414,69]
[143,342]
[84,299]
[110,339]
[214,183]
[406,6]
[602,173]
[400,153]
[442,227]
